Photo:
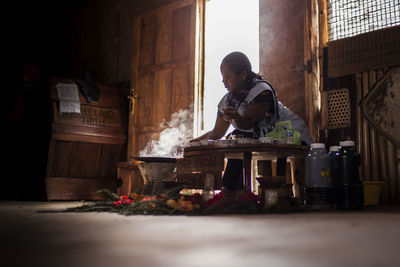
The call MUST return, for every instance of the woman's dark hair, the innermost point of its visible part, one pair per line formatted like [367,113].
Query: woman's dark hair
[238,62]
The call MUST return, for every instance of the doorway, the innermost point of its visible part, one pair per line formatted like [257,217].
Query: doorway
[230,25]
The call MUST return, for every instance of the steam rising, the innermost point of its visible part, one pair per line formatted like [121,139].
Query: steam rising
[179,130]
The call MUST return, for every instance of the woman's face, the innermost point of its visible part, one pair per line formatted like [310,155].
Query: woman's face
[231,80]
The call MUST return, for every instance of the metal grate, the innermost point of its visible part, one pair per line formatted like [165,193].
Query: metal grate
[348,18]
[339,108]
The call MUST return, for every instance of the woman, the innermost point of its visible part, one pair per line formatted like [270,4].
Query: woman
[251,107]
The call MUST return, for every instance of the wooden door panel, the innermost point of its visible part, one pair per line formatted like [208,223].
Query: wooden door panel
[182,81]
[164,37]
[144,138]
[182,33]
[162,68]
[147,41]
[162,87]
[145,100]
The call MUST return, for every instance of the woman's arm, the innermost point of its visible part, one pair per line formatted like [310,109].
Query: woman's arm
[254,112]
[261,105]
[219,130]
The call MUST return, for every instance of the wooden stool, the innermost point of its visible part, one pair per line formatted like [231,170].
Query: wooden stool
[130,178]
[291,168]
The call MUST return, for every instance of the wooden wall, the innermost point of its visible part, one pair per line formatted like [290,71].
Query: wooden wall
[358,63]
[281,50]
[379,156]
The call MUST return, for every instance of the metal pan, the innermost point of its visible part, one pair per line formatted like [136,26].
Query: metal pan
[155,159]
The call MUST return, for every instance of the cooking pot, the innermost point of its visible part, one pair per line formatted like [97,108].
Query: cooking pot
[155,169]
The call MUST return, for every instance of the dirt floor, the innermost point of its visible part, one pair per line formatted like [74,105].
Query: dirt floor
[31,238]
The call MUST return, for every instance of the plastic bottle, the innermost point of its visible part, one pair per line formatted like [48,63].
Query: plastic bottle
[208,190]
[318,184]
[289,137]
[348,186]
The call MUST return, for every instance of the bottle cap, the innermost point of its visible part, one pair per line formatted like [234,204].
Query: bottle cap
[317,145]
[334,148]
[289,133]
[346,143]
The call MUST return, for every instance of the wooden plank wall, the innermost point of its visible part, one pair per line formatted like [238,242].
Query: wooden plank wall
[379,156]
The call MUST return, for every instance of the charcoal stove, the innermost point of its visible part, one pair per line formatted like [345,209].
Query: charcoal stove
[157,172]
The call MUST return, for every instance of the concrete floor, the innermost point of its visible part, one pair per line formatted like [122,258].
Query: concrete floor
[28,238]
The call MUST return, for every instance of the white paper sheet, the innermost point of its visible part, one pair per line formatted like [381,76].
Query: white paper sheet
[69,98]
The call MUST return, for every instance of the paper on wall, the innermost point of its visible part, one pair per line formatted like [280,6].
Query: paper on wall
[69,98]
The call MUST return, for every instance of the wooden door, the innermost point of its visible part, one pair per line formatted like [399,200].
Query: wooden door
[162,69]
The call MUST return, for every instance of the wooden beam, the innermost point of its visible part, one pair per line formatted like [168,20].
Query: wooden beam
[373,138]
[365,131]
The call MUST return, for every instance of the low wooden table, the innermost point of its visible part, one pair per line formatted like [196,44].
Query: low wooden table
[199,160]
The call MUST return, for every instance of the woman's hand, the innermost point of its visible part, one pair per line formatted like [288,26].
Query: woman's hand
[229,113]
[220,128]
[194,140]
[253,113]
